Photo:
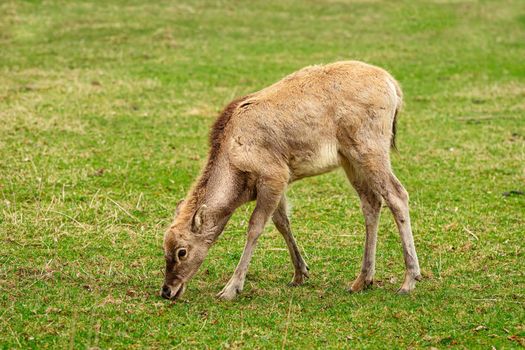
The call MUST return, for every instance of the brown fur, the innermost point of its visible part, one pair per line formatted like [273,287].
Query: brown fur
[394,131]
[310,122]
[215,141]
[399,94]
[217,131]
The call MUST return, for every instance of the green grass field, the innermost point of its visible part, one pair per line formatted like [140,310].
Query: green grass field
[104,114]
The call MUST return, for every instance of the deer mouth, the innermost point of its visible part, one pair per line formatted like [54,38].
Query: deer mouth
[173,293]
[176,294]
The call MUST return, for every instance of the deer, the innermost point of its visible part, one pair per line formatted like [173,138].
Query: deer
[313,121]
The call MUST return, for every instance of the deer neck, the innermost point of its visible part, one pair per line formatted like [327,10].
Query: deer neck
[221,189]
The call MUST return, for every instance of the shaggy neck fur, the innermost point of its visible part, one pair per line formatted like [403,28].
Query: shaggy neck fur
[204,189]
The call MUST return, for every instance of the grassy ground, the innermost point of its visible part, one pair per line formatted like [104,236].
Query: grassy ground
[104,110]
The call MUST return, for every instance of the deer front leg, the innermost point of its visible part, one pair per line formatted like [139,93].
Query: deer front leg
[267,200]
[281,221]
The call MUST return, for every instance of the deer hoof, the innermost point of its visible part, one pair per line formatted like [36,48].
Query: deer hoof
[360,284]
[409,284]
[404,291]
[300,277]
[229,293]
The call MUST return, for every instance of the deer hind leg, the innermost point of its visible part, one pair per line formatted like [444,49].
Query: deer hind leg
[371,208]
[269,192]
[281,221]
[375,166]
[397,199]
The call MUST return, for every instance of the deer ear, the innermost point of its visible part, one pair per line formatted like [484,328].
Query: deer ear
[198,219]
[179,206]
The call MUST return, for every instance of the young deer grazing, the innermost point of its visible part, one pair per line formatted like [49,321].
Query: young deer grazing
[310,122]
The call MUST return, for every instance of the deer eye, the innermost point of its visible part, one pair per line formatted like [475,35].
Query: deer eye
[181,253]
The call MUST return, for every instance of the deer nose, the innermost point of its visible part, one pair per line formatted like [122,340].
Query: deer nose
[165,292]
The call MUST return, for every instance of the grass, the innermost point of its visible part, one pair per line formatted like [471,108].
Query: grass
[105,108]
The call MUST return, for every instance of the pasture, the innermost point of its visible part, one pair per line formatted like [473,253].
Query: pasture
[105,108]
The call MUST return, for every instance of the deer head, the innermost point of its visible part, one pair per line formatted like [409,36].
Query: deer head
[186,244]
